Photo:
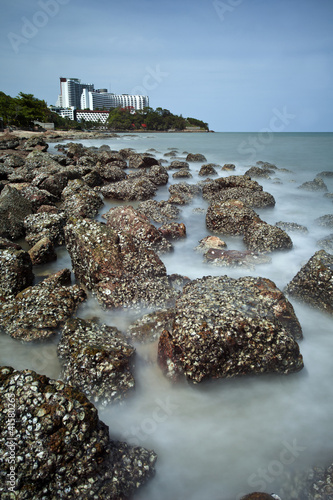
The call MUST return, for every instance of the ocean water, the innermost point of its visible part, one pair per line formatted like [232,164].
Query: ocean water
[221,439]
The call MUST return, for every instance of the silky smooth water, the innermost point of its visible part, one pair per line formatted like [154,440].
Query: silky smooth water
[221,439]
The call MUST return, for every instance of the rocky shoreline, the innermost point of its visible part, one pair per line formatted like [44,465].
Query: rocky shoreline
[207,328]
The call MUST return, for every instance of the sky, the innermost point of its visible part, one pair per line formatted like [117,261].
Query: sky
[240,65]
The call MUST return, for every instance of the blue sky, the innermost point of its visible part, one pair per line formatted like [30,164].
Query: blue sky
[236,64]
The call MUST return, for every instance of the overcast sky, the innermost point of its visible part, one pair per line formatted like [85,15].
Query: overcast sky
[235,64]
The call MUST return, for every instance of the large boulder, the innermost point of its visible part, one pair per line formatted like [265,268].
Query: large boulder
[97,359]
[183,193]
[231,217]
[45,225]
[35,143]
[128,219]
[38,311]
[118,269]
[13,209]
[159,211]
[66,448]
[263,237]
[130,189]
[195,157]
[142,161]
[225,327]
[80,200]
[313,284]
[15,269]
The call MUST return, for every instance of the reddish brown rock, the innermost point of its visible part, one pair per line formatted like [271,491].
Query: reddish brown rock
[173,231]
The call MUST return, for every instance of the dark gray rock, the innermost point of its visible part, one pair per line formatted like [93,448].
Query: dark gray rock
[208,169]
[139,188]
[230,217]
[292,227]
[183,193]
[13,209]
[159,211]
[15,269]
[263,237]
[45,225]
[316,185]
[80,200]
[195,157]
[326,243]
[325,221]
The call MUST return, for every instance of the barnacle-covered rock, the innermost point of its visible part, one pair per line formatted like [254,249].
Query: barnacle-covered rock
[225,327]
[173,230]
[183,173]
[13,209]
[133,188]
[80,200]
[60,447]
[159,211]
[42,252]
[38,311]
[292,227]
[231,217]
[183,193]
[142,161]
[326,243]
[263,237]
[45,225]
[208,169]
[15,269]
[195,157]
[149,327]
[36,196]
[97,359]
[316,185]
[325,221]
[121,271]
[35,143]
[235,258]
[126,218]
[313,284]
[210,242]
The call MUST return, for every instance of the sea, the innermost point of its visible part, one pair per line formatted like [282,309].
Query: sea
[222,439]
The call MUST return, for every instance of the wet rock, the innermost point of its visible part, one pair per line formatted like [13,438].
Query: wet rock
[179,164]
[97,359]
[38,311]
[260,496]
[173,230]
[121,272]
[44,162]
[159,211]
[36,196]
[292,227]
[13,209]
[45,225]
[325,221]
[15,269]
[9,142]
[140,188]
[158,175]
[35,143]
[208,169]
[210,242]
[149,327]
[42,252]
[5,172]
[126,218]
[313,284]
[142,161]
[112,173]
[225,327]
[183,173]
[231,217]
[229,167]
[54,184]
[13,161]
[93,179]
[316,185]
[327,173]
[80,200]
[195,157]
[259,172]
[326,243]
[183,193]
[64,450]
[235,258]
[263,237]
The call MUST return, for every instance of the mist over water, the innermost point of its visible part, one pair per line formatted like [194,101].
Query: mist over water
[219,440]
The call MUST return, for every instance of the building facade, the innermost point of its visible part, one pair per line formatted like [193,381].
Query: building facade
[102,100]
[92,116]
[70,92]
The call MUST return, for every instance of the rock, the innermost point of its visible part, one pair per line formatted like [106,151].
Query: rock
[130,189]
[36,196]
[9,142]
[327,173]
[326,243]
[195,157]
[13,161]
[45,225]
[13,209]
[42,252]
[263,237]
[259,172]
[316,185]
[126,218]
[210,242]
[93,179]
[97,359]
[235,258]
[179,164]
[66,448]
[43,162]
[183,193]
[150,326]
[15,269]
[158,175]
[112,173]
[159,211]
[35,143]
[80,200]
[38,311]
[121,272]
[208,169]
[325,221]
[260,496]
[292,227]
[229,167]
[173,230]
[231,217]
[142,161]
[183,173]
[313,284]
[54,184]
[225,327]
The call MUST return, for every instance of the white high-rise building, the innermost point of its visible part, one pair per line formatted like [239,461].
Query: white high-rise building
[101,99]
[70,92]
